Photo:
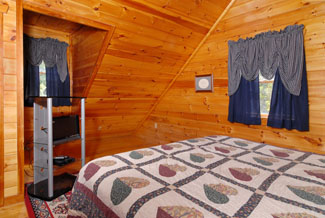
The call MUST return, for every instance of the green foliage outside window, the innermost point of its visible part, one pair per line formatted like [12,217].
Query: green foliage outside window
[265,95]
[42,79]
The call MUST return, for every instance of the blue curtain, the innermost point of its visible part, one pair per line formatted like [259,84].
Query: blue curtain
[244,104]
[54,87]
[31,83]
[287,110]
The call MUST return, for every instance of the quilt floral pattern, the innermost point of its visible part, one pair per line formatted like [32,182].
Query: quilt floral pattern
[215,176]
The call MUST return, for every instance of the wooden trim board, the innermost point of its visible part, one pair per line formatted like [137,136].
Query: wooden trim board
[20,95]
[1,116]
[185,65]
[13,199]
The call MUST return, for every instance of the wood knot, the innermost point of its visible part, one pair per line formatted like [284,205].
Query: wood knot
[313,141]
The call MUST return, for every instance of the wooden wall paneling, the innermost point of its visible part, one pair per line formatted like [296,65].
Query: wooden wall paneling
[57,11]
[196,114]
[111,116]
[187,10]
[89,46]
[20,96]
[186,63]
[3,9]
[11,187]
[150,44]
[43,32]
[183,19]
[49,22]
[9,105]
[99,60]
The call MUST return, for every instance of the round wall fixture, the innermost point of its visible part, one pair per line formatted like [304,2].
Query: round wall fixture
[204,83]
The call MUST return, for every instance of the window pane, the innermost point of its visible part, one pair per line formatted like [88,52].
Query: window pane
[265,97]
[42,79]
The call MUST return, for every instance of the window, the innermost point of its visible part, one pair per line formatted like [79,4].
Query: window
[42,79]
[265,94]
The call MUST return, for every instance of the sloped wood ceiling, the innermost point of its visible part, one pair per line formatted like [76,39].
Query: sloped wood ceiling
[87,44]
[151,42]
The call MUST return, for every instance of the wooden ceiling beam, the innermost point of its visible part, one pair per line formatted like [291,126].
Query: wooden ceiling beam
[185,65]
[176,19]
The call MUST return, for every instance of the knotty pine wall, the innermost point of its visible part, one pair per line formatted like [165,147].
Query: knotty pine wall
[10,102]
[12,180]
[85,44]
[184,114]
[151,42]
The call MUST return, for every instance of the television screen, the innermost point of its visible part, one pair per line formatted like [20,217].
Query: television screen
[65,129]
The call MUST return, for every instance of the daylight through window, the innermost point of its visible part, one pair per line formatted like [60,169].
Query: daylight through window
[265,94]
[42,79]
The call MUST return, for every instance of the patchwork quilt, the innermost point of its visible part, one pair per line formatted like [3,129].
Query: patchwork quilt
[215,176]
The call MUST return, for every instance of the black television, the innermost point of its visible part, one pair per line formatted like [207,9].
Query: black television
[65,129]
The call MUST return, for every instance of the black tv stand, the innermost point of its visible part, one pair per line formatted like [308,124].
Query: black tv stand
[62,184]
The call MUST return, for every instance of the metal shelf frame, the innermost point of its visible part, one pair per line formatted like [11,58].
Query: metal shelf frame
[43,145]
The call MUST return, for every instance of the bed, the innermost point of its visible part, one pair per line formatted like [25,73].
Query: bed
[215,176]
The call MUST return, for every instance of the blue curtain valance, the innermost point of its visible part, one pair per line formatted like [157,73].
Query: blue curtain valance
[51,51]
[266,53]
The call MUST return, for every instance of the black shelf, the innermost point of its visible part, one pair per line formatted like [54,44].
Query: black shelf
[61,184]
